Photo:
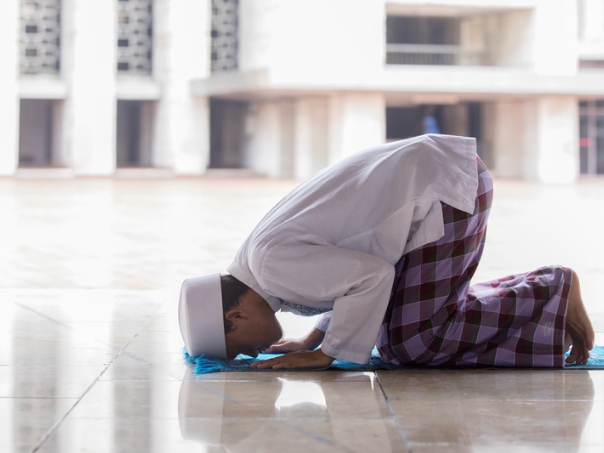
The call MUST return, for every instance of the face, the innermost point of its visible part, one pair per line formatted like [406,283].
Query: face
[253,333]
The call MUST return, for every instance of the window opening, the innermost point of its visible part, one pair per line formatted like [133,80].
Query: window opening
[134,133]
[35,132]
[422,40]
[227,133]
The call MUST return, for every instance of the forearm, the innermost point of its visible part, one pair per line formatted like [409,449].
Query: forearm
[313,339]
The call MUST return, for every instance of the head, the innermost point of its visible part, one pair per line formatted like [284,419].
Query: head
[221,317]
[250,324]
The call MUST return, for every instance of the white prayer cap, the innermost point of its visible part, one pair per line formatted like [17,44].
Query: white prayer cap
[200,316]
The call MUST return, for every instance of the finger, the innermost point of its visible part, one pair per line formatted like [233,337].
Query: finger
[579,354]
[583,354]
[572,357]
[260,363]
[266,364]
[276,348]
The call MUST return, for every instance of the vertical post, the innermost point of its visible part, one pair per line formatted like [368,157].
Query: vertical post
[557,153]
[356,121]
[181,54]
[89,67]
[9,97]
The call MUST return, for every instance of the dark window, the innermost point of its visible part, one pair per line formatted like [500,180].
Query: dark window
[414,40]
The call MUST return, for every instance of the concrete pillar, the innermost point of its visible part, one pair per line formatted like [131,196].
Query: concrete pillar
[270,130]
[356,121]
[89,66]
[9,100]
[311,136]
[59,156]
[262,153]
[509,126]
[147,127]
[487,150]
[537,139]
[181,45]
[455,118]
[555,156]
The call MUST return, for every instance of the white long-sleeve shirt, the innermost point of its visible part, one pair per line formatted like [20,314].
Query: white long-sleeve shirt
[331,244]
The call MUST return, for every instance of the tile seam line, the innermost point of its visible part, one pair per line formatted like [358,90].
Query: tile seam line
[73,329]
[393,415]
[54,427]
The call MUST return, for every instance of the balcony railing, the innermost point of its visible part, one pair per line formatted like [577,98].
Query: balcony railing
[431,55]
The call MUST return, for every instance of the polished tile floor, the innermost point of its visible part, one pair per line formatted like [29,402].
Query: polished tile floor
[90,351]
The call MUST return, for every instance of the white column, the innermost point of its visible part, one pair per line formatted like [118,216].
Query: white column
[89,67]
[537,139]
[181,53]
[555,158]
[9,95]
[262,153]
[356,121]
[311,136]
[511,148]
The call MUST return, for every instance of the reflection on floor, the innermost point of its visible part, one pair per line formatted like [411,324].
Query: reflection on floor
[90,351]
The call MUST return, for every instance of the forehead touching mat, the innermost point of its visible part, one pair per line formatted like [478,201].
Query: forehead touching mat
[204,364]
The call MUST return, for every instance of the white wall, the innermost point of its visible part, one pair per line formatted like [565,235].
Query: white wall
[258,26]
[181,53]
[9,101]
[312,39]
[510,38]
[555,42]
[591,29]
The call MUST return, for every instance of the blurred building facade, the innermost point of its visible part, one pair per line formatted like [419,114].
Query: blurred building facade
[285,87]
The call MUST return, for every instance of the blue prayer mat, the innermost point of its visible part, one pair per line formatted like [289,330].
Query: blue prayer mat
[204,364]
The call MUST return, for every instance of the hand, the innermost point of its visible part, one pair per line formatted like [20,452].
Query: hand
[306,343]
[286,345]
[300,359]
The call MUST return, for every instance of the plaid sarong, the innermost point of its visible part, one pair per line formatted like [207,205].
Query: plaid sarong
[435,318]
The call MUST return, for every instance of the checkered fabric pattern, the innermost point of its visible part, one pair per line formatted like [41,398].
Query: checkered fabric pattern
[435,318]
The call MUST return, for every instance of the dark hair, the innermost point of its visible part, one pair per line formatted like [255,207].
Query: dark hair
[232,291]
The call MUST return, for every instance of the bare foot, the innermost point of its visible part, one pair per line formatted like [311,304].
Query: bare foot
[578,325]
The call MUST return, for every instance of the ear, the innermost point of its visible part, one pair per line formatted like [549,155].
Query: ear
[235,314]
